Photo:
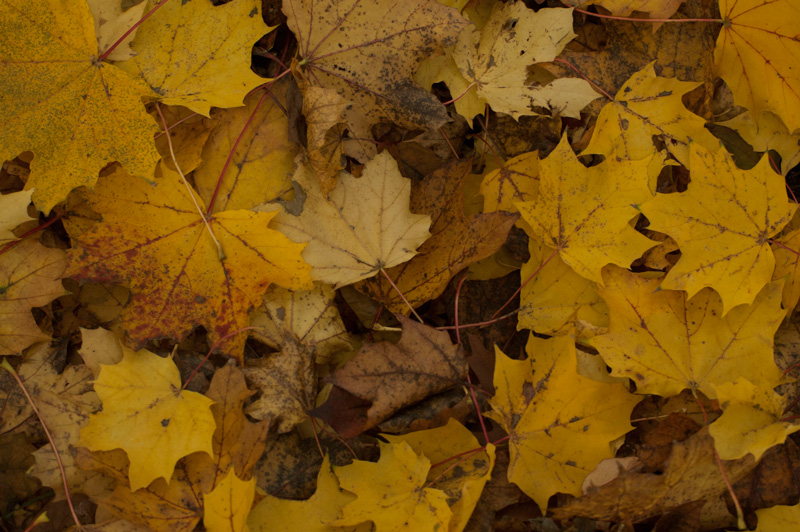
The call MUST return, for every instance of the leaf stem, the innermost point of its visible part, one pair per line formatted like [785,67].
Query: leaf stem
[403,297]
[36,229]
[659,20]
[220,252]
[6,366]
[581,74]
[131,29]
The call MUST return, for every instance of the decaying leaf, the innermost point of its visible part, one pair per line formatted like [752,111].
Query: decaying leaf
[495,59]
[154,239]
[393,376]
[367,50]
[30,277]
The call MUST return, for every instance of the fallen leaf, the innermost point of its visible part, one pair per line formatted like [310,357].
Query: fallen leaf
[259,169]
[87,113]
[560,424]
[197,54]
[768,133]
[307,318]
[586,212]
[367,50]
[362,227]
[456,241]
[730,250]
[666,342]
[146,414]
[237,442]
[557,300]
[226,508]
[649,106]
[516,181]
[495,60]
[624,8]
[311,515]
[692,473]
[287,384]
[163,506]
[463,480]
[30,275]
[750,420]
[393,376]
[758,56]
[778,518]
[153,238]
[392,494]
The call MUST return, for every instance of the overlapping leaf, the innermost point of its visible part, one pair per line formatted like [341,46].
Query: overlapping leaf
[585,212]
[758,56]
[197,54]
[153,238]
[368,50]
[560,424]
[723,223]
[76,114]
[667,342]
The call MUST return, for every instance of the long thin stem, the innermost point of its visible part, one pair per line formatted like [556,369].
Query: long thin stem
[220,252]
[659,20]
[6,366]
[36,229]
[131,29]
[402,296]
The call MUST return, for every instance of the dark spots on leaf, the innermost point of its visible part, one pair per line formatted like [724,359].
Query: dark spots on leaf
[623,124]
[164,422]
[528,391]
[664,94]
[253,12]
[574,419]
[281,313]
[571,463]
[639,377]
[199,299]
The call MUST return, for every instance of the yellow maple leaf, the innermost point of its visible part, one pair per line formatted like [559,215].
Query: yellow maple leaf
[146,414]
[462,467]
[226,508]
[517,180]
[87,113]
[456,241]
[311,515]
[758,56]
[197,54]
[367,50]
[154,238]
[722,223]
[667,342]
[260,168]
[391,492]
[647,106]
[585,212]
[495,60]
[30,276]
[557,300]
[750,421]
[787,266]
[560,424]
[363,226]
